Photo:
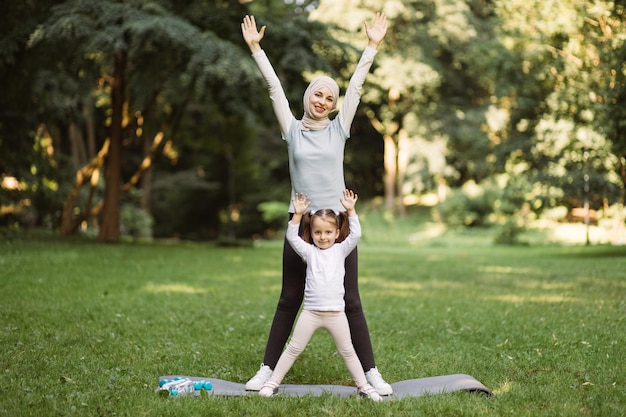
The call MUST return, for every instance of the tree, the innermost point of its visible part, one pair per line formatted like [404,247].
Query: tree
[422,97]
[605,27]
[467,90]
[568,69]
[125,44]
[29,170]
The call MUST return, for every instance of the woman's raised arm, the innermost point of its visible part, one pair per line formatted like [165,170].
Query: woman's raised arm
[251,35]
[377,31]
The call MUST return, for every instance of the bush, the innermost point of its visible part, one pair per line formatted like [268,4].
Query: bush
[509,234]
[493,202]
[274,213]
[186,205]
[135,222]
[469,206]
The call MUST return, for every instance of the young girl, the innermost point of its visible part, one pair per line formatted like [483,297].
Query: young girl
[316,152]
[324,291]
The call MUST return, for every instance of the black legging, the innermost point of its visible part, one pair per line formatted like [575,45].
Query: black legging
[291,296]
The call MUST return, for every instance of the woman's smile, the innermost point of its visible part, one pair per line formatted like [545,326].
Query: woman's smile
[321,102]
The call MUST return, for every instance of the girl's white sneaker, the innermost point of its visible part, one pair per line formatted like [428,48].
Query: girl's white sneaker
[268,389]
[368,391]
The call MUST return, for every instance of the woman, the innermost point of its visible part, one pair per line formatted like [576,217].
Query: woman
[316,152]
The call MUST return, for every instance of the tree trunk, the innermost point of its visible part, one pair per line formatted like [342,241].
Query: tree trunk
[621,168]
[391,167]
[390,159]
[110,220]
[146,178]
[403,162]
[90,127]
[77,143]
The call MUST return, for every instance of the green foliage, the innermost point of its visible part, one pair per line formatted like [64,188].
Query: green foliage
[469,206]
[509,233]
[273,211]
[135,222]
[479,89]
[496,201]
[33,195]
[181,197]
[572,71]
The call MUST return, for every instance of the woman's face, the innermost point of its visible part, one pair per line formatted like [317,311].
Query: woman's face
[321,103]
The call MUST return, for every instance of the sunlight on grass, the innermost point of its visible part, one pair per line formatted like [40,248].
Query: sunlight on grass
[505,386]
[507,270]
[269,273]
[445,285]
[542,299]
[539,285]
[431,231]
[393,285]
[175,288]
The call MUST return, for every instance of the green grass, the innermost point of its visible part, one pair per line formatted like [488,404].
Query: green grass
[88,328]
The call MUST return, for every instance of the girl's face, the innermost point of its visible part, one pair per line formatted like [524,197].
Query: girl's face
[321,103]
[323,232]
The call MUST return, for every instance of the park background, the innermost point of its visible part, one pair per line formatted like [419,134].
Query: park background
[489,154]
[150,119]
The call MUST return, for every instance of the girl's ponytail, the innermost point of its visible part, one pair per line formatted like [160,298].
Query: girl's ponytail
[343,225]
[305,227]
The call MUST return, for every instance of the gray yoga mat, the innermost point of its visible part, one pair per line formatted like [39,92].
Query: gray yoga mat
[409,388]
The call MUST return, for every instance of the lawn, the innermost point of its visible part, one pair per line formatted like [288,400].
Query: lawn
[88,328]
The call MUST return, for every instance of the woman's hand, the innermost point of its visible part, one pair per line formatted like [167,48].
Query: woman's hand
[377,32]
[251,35]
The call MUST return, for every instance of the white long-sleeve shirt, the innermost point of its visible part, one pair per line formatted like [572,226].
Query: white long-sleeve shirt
[325,268]
[316,156]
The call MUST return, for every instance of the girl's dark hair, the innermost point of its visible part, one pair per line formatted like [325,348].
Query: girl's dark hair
[340,219]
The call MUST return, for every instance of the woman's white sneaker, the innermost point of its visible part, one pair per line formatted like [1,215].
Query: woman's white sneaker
[257,381]
[376,380]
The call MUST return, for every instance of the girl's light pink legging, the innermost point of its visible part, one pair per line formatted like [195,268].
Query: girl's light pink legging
[309,321]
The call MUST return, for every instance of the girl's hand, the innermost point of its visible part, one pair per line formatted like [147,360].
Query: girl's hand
[251,35]
[349,200]
[377,32]
[300,203]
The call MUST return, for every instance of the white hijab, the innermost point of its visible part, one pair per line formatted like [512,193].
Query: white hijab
[309,122]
